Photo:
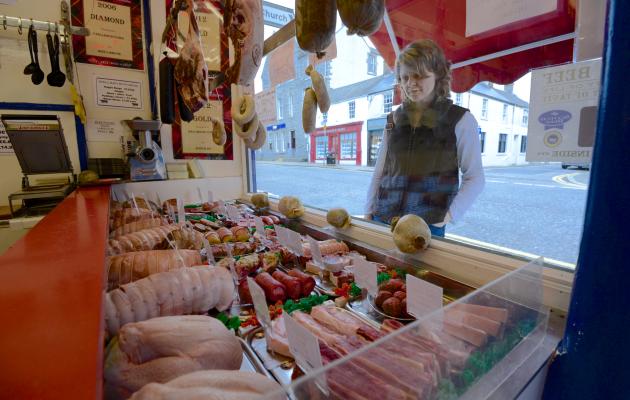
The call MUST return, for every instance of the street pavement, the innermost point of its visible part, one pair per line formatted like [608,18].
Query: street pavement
[537,209]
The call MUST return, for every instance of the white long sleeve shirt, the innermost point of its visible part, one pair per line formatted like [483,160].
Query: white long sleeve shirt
[472,179]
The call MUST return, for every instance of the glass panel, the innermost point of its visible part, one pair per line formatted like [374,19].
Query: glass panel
[363,92]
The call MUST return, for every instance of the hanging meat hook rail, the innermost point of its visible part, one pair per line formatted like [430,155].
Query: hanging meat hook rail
[20,23]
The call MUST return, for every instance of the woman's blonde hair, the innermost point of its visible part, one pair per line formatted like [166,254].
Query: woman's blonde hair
[427,56]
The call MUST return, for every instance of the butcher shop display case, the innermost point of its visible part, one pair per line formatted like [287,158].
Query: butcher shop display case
[463,350]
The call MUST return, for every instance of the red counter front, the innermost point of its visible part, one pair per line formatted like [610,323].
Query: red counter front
[51,285]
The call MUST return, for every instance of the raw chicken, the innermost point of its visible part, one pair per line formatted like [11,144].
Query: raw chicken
[213,385]
[161,349]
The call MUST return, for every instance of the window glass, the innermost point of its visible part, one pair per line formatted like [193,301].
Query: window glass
[388,102]
[519,197]
[502,142]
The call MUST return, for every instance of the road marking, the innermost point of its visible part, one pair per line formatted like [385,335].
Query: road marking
[567,180]
[562,185]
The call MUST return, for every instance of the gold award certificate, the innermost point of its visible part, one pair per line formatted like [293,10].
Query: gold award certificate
[110,30]
[197,134]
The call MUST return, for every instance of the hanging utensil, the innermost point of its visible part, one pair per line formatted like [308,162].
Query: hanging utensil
[30,68]
[55,77]
[38,75]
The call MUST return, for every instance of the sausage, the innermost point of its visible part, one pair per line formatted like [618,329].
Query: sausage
[319,86]
[274,219]
[309,110]
[274,290]
[259,140]
[267,220]
[293,285]
[219,137]
[307,281]
[315,23]
[247,131]
[362,17]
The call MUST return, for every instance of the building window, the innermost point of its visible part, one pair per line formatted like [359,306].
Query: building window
[388,102]
[280,108]
[292,139]
[327,69]
[482,140]
[348,143]
[525,116]
[458,99]
[351,109]
[484,109]
[523,144]
[324,118]
[321,146]
[291,105]
[502,142]
[371,64]
[505,113]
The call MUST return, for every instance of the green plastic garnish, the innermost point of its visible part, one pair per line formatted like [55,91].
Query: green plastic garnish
[232,323]
[304,304]
[355,291]
[382,277]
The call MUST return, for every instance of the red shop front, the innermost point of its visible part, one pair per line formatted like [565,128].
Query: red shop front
[343,141]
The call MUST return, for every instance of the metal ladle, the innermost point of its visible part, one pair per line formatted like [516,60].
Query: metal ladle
[30,68]
[55,77]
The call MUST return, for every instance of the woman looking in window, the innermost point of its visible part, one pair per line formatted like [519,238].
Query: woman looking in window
[427,142]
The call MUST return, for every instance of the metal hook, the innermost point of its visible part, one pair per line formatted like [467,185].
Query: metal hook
[56,28]
[4,22]
[48,27]
[20,26]
[32,26]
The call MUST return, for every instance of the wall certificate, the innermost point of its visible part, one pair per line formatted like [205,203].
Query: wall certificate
[115,32]
[197,134]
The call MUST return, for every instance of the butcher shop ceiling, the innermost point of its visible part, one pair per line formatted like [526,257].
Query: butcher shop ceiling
[486,40]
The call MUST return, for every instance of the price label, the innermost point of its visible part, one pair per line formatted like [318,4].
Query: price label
[365,275]
[260,303]
[209,254]
[210,196]
[221,207]
[303,345]
[281,235]
[260,227]
[181,213]
[232,212]
[316,252]
[295,242]
[199,195]
[422,297]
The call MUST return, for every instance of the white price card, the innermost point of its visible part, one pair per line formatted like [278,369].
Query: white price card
[365,275]
[221,207]
[422,297]
[181,213]
[209,253]
[210,196]
[232,212]
[316,252]
[199,195]
[303,345]
[260,226]
[282,236]
[260,304]
[295,242]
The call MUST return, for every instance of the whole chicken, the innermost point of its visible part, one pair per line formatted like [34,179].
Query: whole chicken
[161,349]
[212,385]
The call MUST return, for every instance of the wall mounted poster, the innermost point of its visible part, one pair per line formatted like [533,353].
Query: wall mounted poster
[115,38]
[563,112]
[194,139]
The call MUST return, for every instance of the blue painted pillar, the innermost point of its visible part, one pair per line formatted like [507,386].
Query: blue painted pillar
[595,353]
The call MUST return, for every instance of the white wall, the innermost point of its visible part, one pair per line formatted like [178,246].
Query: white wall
[16,87]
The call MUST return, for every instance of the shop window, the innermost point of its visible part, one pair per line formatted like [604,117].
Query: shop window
[348,143]
[280,107]
[484,109]
[502,142]
[388,102]
[526,187]
[321,146]
[371,64]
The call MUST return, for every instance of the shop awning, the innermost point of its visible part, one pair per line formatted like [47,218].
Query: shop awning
[518,40]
